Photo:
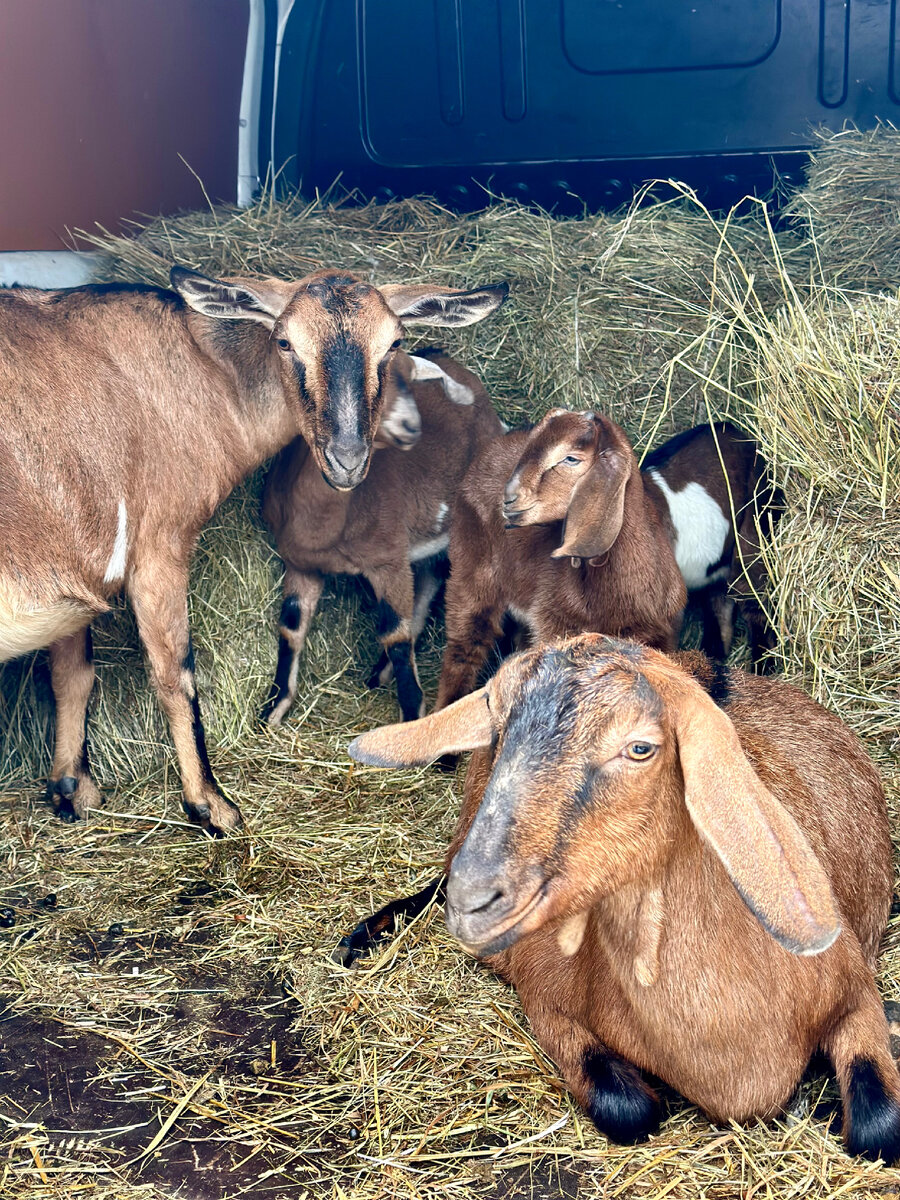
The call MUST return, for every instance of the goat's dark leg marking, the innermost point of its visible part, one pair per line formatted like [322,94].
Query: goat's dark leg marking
[859,1046]
[368,933]
[189,675]
[302,591]
[620,1102]
[394,591]
[158,594]
[70,789]
[712,602]
[427,584]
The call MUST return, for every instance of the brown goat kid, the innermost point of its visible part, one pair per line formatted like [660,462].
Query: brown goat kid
[683,870]
[554,527]
[714,487]
[128,414]
[392,529]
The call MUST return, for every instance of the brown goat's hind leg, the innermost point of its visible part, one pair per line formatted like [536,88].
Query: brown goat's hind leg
[70,788]
[160,605]
[870,1086]
[302,590]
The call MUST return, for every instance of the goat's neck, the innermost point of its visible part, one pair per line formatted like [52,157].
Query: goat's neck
[634,921]
[320,511]
[258,421]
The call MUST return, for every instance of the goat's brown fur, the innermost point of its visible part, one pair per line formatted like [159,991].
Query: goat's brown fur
[630,902]
[128,414]
[562,548]
[390,529]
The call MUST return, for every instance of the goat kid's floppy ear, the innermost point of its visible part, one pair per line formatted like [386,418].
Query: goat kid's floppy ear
[760,845]
[596,509]
[424,304]
[229,301]
[465,725]
[426,368]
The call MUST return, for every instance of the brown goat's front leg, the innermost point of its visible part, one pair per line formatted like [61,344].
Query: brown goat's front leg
[859,1046]
[302,590]
[159,597]
[393,587]
[609,1088]
[470,636]
[70,789]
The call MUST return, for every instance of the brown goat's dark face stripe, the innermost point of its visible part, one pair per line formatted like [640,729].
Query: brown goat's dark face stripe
[559,784]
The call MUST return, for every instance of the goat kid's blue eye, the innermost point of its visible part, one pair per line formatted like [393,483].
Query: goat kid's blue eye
[571,461]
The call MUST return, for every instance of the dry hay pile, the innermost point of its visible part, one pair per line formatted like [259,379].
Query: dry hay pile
[850,206]
[415,1075]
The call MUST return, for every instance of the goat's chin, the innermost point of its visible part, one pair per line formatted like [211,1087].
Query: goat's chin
[529,915]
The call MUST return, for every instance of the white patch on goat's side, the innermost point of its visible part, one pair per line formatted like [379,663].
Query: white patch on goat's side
[430,548]
[115,568]
[441,517]
[701,529]
[424,368]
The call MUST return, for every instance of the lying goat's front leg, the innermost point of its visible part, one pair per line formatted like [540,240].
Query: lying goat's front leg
[159,597]
[70,788]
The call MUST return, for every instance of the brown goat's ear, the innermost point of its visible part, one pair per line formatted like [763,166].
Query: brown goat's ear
[596,509]
[465,725]
[249,300]
[425,304]
[760,845]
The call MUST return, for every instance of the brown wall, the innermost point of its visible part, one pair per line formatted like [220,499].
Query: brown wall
[98,98]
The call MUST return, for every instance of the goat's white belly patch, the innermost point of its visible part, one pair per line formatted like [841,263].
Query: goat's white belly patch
[115,568]
[435,545]
[701,530]
[441,517]
[24,628]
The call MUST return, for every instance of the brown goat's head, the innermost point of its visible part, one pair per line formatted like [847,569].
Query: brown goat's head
[574,468]
[605,754]
[334,337]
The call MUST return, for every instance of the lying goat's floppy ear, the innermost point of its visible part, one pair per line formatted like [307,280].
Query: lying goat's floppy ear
[596,508]
[462,726]
[244,301]
[427,304]
[760,845]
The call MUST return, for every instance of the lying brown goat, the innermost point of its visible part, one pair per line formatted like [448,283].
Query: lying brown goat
[554,527]
[392,529]
[714,487]
[683,871]
[126,415]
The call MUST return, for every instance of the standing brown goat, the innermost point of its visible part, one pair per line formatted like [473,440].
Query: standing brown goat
[554,526]
[683,871]
[391,529]
[128,414]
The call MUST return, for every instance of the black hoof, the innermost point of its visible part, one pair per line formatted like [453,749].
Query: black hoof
[368,933]
[874,1115]
[621,1104]
[61,794]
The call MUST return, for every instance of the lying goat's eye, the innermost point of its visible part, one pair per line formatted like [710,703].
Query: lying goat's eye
[571,460]
[396,345]
[640,751]
[284,344]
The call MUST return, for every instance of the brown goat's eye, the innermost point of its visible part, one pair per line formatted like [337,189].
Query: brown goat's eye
[396,345]
[284,344]
[640,751]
